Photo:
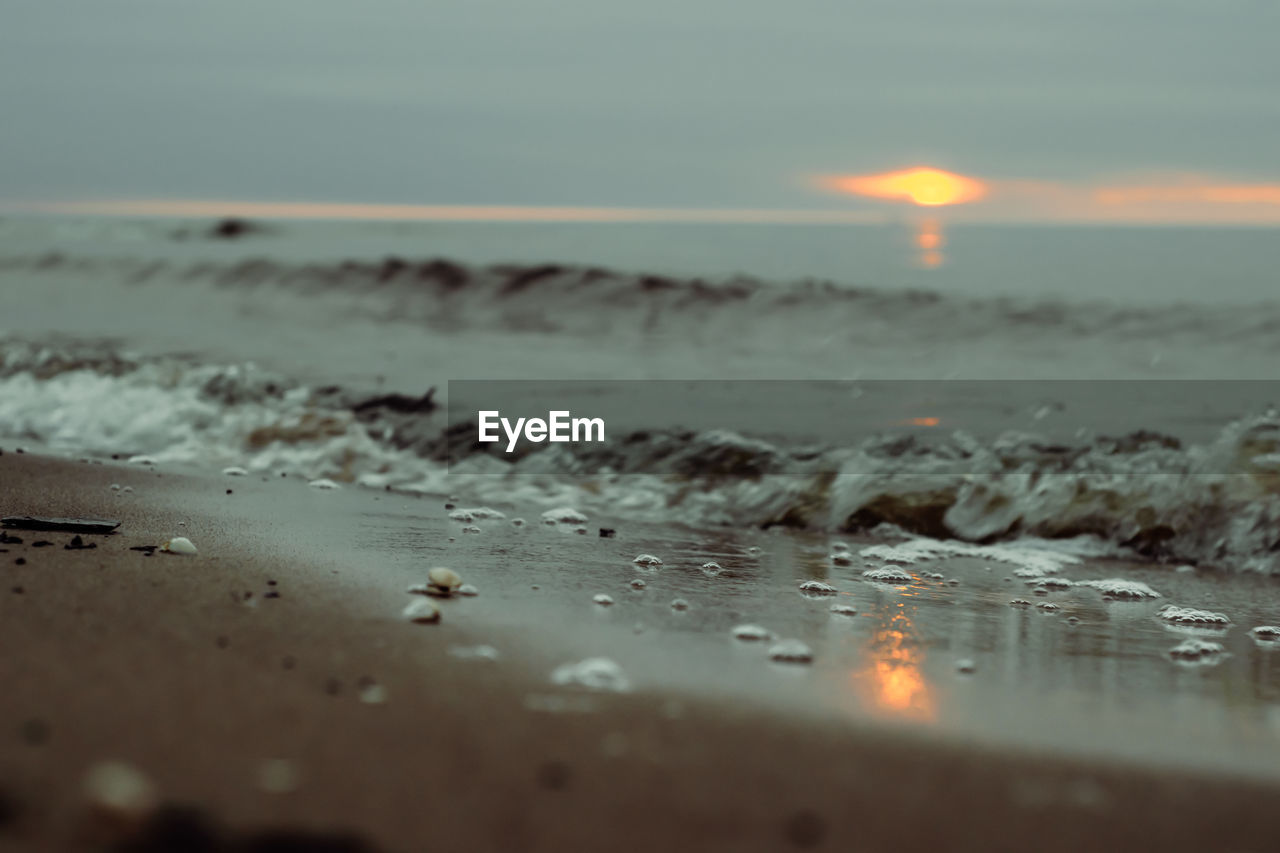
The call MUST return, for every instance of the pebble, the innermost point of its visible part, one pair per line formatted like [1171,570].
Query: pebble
[679,604]
[517,522]
[120,797]
[647,560]
[468,590]
[423,612]
[592,673]
[791,651]
[603,600]
[751,633]
[179,545]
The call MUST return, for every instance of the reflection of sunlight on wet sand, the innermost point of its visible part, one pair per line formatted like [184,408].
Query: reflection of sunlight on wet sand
[894,683]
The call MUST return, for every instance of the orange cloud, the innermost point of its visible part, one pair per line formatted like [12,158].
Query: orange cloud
[924,186]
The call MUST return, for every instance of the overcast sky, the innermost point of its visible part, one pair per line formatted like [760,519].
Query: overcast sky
[594,102]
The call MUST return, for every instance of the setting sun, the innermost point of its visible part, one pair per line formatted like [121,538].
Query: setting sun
[923,186]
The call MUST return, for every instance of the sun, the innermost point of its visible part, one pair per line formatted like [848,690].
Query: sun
[923,185]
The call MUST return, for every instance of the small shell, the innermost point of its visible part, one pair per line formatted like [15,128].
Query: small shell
[443,581]
[638,584]
[119,796]
[603,600]
[422,611]
[179,545]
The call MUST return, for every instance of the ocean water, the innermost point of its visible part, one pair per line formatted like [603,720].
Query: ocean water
[276,352]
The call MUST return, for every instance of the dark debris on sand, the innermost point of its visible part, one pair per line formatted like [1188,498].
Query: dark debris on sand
[78,544]
[62,525]
[182,828]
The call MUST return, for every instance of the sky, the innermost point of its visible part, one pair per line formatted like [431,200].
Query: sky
[662,104]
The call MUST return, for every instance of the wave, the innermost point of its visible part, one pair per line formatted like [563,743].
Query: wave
[590,300]
[1215,503]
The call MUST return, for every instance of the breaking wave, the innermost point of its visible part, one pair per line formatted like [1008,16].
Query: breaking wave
[1215,503]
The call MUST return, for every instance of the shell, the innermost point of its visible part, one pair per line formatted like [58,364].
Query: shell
[119,796]
[443,581]
[422,612]
[179,545]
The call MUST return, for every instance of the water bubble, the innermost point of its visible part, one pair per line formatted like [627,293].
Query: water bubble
[592,673]
[1191,616]
[791,651]
[1118,588]
[817,589]
[1047,606]
[751,633]
[1266,635]
[564,515]
[603,600]
[647,560]
[887,574]
[711,569]
[679,604]
[638,584]
[1196,651]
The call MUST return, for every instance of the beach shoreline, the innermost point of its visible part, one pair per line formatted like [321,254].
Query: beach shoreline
[154,661]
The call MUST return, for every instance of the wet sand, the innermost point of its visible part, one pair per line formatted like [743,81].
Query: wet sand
[162,662]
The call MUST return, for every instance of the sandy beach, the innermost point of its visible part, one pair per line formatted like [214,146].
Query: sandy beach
[183,667]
